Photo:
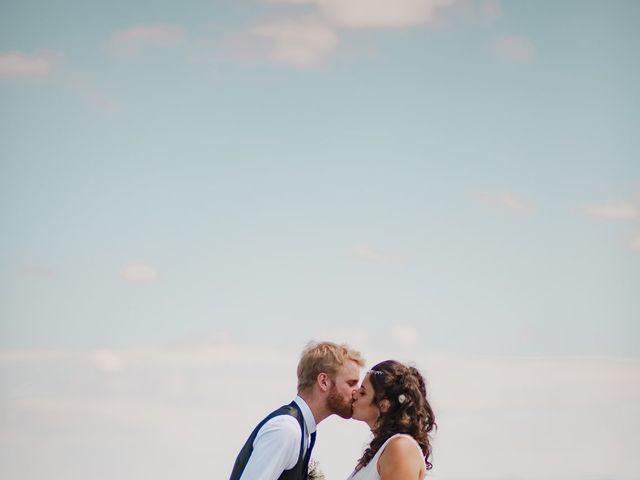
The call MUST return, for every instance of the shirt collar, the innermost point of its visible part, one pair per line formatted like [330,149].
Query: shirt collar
[309,420]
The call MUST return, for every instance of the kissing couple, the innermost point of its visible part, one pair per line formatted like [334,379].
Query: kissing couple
[392,400]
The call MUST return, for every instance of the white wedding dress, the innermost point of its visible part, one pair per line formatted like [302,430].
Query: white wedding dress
[370,472]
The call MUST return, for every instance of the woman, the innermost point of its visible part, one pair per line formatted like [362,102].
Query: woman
[393,402]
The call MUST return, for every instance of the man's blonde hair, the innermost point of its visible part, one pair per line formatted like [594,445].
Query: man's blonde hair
[324,357]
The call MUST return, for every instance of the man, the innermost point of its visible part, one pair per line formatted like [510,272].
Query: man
[279,448]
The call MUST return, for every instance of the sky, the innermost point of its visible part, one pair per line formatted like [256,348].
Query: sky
[194,190]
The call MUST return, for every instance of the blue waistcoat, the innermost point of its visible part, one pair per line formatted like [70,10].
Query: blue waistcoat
[299,471]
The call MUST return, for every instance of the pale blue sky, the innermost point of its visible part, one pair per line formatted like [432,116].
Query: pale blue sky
[189,191]
[433,175]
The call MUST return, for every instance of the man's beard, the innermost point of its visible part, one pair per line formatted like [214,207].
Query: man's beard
[338,405]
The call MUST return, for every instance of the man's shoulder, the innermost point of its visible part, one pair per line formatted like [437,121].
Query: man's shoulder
[281,432]
[283,424]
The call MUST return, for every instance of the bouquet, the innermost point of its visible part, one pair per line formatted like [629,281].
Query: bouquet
[315,473]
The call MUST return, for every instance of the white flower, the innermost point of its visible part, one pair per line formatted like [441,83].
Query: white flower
[402,398]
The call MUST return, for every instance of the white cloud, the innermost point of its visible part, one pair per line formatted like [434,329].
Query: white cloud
[25,356]
[301,42]
[404,335]
[140,273]
[35,271]
[513,48]
[198,354]
[370,254]
[634,243]
[94,96]
[491,9]
[542,415]
[613,210]
[507,201]
[15,64]
[353,336]
[312,38]
[137,38]
[478,382]
[45,65]
[108,361]
[241,46]
[376,13]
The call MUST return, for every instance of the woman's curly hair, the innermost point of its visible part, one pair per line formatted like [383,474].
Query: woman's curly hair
[410,414]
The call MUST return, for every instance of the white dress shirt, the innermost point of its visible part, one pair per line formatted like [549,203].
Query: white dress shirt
[277,445]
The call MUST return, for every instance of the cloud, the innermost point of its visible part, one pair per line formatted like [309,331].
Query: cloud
[404,335]
[617,210]
[375,13]
[310,39]
[241,46]
[140,273]
[25,356]
[574,380]
[35,271]
[302,42]
[354,336]
[15,64]
[108,361]
[93,95]
[185,355]
[491,9]
[507,201]
[136,39]
[46,65]
[513,48]
[195,400]
[370,254]
[623,210]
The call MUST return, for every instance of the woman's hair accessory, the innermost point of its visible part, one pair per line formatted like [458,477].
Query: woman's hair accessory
[402,398]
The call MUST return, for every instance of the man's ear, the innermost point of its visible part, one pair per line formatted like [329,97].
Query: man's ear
[384,405]
[323,381]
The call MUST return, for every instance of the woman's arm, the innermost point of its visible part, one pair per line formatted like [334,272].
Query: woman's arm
[401,460]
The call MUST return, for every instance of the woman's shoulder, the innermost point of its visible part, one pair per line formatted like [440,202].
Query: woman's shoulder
[403,443]
[401,452]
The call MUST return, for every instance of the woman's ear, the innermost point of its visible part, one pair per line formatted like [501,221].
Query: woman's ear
[384,406]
